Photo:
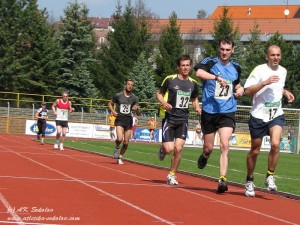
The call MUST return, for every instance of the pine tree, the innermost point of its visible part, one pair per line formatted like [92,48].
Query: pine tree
[28,52]
[126,41]
[144,83]
[222,27]
[252,55]
[76,38]
[170,48]
[293,78]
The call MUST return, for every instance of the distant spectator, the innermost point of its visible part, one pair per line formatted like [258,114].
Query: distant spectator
[42,116]
[135,122]
[152,123]
[111,121]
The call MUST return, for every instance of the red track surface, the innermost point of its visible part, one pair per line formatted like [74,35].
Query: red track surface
[39,185]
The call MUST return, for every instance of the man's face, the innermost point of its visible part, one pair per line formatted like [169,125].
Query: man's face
[129,86]
[225,51]
[184,67]
[273,56]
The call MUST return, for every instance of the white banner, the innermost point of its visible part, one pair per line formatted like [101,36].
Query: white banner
[80,130]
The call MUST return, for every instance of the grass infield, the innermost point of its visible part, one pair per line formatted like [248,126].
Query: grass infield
[287,172]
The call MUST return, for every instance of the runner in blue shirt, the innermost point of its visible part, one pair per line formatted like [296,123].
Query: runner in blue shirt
[221,86]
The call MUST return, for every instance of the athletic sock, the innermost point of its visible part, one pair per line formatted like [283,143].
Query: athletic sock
[269,173]
[222,178]
[250,178]
[172,173]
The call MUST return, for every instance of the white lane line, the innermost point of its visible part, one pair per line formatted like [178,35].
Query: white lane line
[87,181]
[239,207]
[99,190]
[212,199]
[10,210]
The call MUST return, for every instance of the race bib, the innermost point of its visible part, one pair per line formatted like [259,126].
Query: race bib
[44,115]
[223,92]
[270,109]
[182,99]
[62,114]
[125,109]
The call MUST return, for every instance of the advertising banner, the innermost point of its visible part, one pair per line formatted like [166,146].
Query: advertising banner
[32,129]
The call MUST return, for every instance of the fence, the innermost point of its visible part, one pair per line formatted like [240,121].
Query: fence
[15,108]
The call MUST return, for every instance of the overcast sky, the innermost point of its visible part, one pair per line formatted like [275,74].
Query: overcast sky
[163,8]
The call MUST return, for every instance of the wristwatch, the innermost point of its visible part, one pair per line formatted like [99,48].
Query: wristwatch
[216,76]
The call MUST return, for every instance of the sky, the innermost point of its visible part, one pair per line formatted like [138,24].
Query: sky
[185,9]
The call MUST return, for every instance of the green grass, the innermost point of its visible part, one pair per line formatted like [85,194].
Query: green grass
[287,171]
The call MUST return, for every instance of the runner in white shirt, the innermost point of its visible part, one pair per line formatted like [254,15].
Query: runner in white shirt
[266,86]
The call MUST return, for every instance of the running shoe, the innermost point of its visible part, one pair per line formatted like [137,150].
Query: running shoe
[161,154]
[116,152]
[55,146]
[61,146]
[222,186]
[249,189]
[120,162]
[270,183]
[202,161]
[171,180]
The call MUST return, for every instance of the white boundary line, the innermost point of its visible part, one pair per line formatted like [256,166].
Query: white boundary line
[140,209]
[97,189]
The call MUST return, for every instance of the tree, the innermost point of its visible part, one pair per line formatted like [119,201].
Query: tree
[202,14]
[28,50]
[77,41]
[141,11]
[126,41]
[170,48]
[252,55]
[293,78]
[222,27]
[144,82]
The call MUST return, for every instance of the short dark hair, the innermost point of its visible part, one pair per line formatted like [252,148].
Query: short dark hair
[182,58]
[128,80]
[227,39]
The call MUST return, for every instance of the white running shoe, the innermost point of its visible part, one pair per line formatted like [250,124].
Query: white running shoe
[116,152]
[249,189]
[270,183]
[61,146]
[55,146]
[171,179]
[120,162]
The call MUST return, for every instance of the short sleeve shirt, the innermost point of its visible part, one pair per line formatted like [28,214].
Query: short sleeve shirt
[267,101]
[124,103]
[216,99]
[178,93]
[43,113]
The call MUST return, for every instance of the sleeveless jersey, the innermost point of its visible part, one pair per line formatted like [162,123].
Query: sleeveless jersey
[62,110]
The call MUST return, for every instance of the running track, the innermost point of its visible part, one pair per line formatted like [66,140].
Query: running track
[39,185]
